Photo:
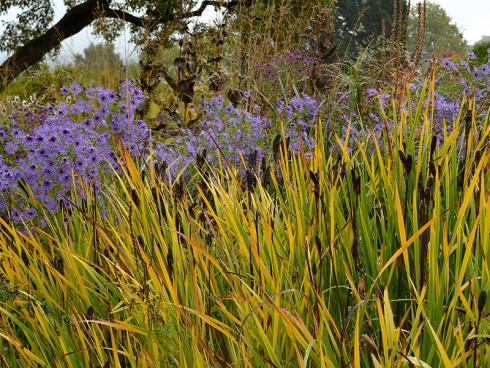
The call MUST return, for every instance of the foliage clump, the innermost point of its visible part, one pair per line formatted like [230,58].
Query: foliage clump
[481,50]
[290,212]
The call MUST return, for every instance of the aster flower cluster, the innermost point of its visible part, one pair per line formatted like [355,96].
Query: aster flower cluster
[472,77]
[53,149]
[300,62]
[239,134]
[225,130]
[299,115]
[454,80]
[457,78]
[73,142]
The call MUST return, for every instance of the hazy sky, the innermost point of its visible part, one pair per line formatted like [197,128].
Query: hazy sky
[471,16]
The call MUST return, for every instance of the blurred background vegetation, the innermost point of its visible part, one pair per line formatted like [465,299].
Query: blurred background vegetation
[181,54]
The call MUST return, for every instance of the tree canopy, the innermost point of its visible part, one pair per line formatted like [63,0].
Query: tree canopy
[482,50]
[96,55]
[358,22]
[442,34]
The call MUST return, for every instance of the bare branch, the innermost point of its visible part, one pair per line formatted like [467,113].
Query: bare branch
[206,3]
[124,16]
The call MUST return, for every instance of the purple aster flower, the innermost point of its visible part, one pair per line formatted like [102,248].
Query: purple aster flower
[371,91]
[477,73]
[485,69]
[465,65]
[41,222]
[383,97]
[103,98]
[374,117]
[11,148]
[75,88]
[30,213]
[91,92]
[229,109]
[449,64]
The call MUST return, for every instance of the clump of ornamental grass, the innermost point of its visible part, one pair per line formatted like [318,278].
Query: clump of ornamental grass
[334,258]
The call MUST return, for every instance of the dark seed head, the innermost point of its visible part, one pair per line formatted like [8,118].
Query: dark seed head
[252,158]
[482,299]
[318,244]
[201,159]
[90,313]
[356,182]
[276,143]
[234,96]
[25,259]
[433,146]
[381,291]
[178,189]
[478,155]
[59,265]
[135,198]
[141,242]
[468,119]
[266,176]
[314,178]
[251,180]
[170,262]
[407,162]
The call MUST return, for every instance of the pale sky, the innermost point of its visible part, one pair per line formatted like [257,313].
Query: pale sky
[471,16]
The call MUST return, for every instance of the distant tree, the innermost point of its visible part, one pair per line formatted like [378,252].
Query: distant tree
[442,33]
[481,50]
[484,39]
[358,22]
[97,55]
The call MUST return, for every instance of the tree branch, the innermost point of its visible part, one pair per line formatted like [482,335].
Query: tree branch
[206,3]
[125,16]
